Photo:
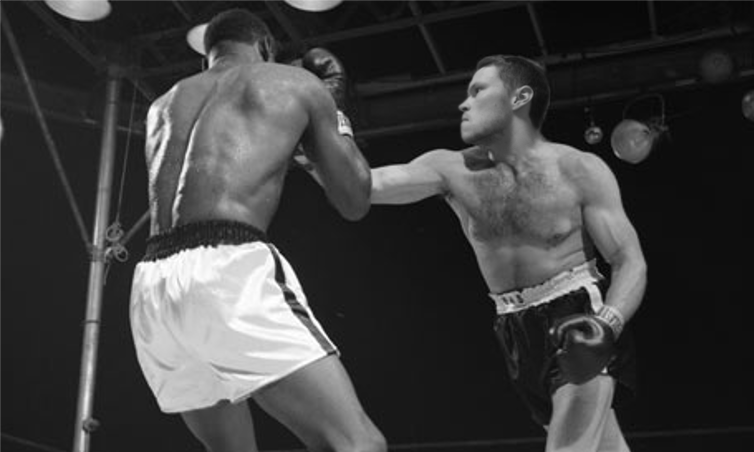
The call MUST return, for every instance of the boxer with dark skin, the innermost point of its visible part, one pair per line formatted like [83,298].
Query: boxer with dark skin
[218,148]
[536,213]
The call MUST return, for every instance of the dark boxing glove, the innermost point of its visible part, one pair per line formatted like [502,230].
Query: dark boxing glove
[586,343]
[330,70]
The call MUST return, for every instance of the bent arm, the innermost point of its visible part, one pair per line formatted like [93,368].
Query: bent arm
[615,237]
[410,182]
[336,161]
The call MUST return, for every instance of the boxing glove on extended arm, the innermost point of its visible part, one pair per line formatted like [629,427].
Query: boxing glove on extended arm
[330,70]
[586,343]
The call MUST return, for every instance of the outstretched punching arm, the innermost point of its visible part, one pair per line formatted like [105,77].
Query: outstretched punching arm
[410,182]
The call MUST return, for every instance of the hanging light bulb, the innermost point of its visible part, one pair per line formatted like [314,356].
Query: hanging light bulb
[633,140]
[82,10]
[593,134]
[747,105]
[314,5]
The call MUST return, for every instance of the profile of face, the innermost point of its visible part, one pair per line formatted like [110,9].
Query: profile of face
[491,106]
[487,107]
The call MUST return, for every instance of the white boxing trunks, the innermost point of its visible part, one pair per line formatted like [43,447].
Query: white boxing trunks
[216,314]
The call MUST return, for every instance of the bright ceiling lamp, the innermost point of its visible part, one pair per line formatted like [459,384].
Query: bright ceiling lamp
[195,38]
[82,10]
[314,5]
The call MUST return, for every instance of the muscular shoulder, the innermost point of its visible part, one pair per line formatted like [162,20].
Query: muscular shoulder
[586,171]
[291,80]
[441,161]
[156,111]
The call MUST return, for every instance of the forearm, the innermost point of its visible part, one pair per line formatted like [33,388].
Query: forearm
[396,185]
[349,183]
[628,282]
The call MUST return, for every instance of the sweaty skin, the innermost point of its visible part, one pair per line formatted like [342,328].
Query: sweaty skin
[219,144]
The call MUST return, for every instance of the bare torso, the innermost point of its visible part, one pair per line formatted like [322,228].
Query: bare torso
[219,143]
[524,222]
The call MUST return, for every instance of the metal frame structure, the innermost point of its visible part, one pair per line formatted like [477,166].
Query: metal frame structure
[433,102]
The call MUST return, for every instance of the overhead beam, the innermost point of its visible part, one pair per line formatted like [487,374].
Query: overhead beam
[410,22]
[636,48]
[277,12]
[652,16]
[534,19]
[399,107]
[61,104]
[182,11]
[98,62]
[428,38]
[183,66]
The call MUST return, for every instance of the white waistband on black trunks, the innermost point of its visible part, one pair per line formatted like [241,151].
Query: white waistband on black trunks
[558,285]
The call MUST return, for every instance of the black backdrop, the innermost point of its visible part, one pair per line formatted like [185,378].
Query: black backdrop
[399,291]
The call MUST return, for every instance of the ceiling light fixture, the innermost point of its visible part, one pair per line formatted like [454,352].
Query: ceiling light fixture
[195,38]
[314,5]
[633,140]
[81,10]
[593,133]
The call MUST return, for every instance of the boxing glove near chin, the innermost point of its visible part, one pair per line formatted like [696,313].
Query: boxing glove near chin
[330,70]
[585,344]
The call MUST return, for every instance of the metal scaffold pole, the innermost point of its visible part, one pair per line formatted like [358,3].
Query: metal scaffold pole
[85,423]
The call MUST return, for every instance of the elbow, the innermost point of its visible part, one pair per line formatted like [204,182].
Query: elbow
[355,211]
[640,264]
[360,202]
[643,270]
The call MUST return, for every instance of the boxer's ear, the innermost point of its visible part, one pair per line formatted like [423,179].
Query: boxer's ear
[523,96]
[267,49]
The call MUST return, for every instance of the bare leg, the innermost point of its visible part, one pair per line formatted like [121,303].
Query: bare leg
[612,437]
[318,403]
[582,419]
[224,427]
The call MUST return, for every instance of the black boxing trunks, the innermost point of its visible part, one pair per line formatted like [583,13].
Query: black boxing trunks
[524,318]
[218,313]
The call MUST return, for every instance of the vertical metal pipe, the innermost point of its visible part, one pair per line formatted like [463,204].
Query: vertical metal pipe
[85,423]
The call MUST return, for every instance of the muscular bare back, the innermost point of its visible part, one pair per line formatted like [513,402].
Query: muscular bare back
[524,221]
[219,143]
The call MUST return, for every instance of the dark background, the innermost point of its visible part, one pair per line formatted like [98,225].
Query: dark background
[399,291]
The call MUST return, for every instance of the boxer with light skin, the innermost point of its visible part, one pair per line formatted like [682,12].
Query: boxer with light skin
[217,313]
[537,214]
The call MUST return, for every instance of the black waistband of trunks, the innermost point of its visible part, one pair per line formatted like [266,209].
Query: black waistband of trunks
[203,233]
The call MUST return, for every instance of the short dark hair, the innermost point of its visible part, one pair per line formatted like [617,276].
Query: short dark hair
[517,71]
[239,25]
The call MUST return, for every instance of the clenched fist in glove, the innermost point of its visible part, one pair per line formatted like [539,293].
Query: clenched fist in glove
[330,70]
[586,343]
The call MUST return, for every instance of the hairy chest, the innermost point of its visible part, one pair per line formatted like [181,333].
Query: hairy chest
[535,205]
